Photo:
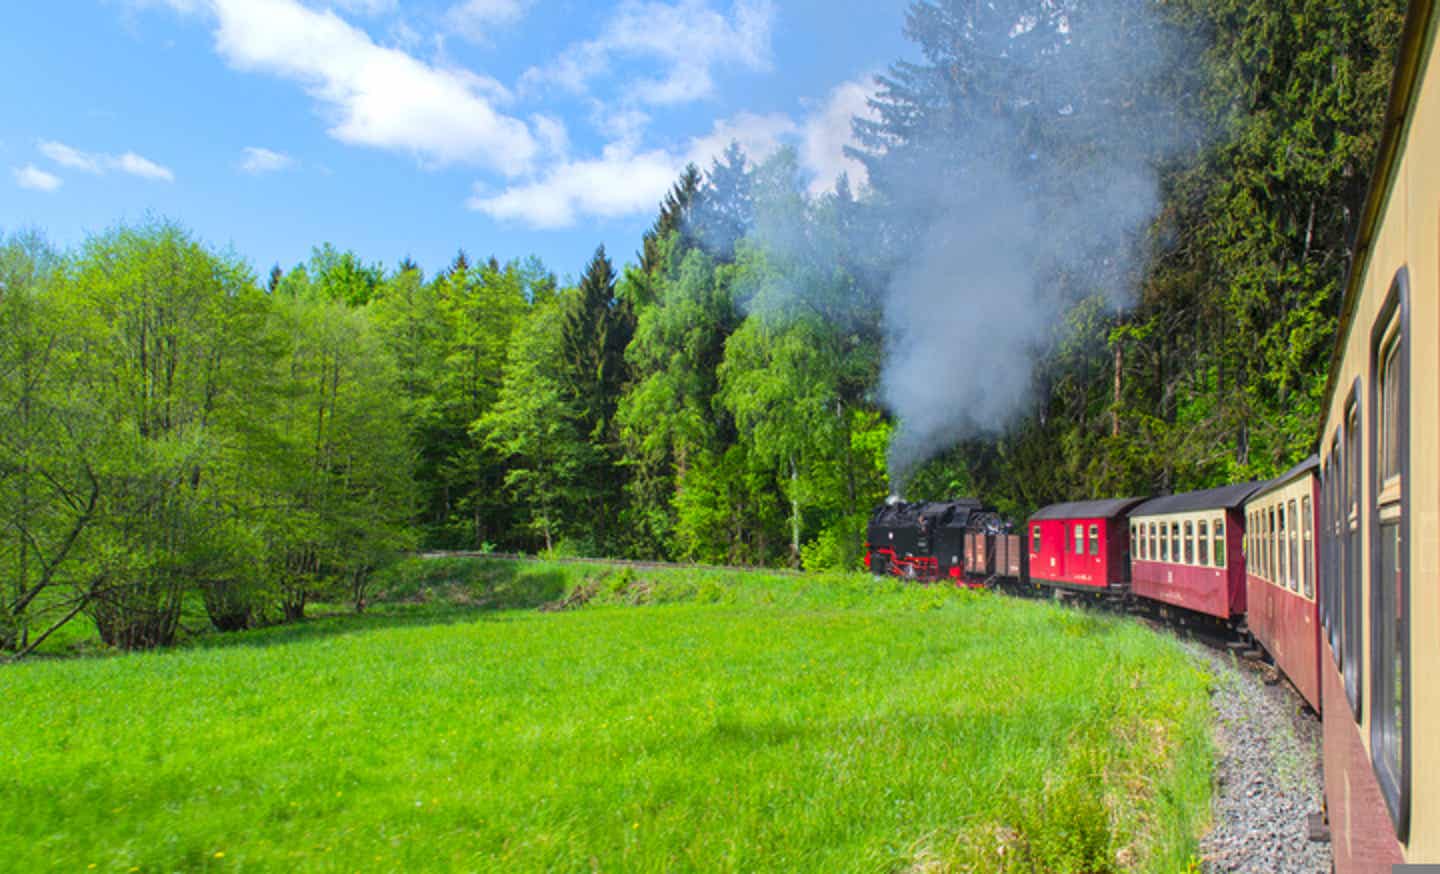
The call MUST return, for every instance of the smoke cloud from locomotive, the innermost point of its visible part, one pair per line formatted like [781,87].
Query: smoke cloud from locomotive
[1013,237]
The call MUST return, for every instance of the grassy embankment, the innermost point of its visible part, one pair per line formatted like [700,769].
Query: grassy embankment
[734,722]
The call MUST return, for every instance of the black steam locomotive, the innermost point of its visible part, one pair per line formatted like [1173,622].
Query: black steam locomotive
[960,540]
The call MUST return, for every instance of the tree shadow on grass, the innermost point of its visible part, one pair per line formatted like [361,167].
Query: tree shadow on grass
[482,592]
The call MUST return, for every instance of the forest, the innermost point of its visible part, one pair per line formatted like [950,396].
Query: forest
[178,428]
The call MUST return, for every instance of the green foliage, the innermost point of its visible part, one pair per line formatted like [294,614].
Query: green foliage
[179,439]
[536,428]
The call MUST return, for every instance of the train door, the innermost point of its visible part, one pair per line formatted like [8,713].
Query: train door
[1095,551]
[1076,564]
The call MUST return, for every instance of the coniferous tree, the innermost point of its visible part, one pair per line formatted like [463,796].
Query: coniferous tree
[595,331]
[725,210]
[675,212]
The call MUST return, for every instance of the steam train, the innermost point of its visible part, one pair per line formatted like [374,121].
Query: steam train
[1333,565]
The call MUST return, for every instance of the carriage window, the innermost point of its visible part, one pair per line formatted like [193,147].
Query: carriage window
[1335,607]
[1154,553]
[1284,571]
[1189,542]
[1219,531]
[1390,732]
[1134,542]
[1270,562]
[1079,539]
[1258,532]
[1351,584]
[1282,566]
[1292,549]
[1307,547]
[1389,440]
[1202,545]
[1164,543]
[1175,542]
[1094,539]
[1250,540]
[1035,540]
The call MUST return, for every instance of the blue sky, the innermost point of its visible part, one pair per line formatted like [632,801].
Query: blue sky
[395,128]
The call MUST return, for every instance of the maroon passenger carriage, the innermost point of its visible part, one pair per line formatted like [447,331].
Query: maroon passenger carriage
[1281,573]
[1187,551]
[1082,546]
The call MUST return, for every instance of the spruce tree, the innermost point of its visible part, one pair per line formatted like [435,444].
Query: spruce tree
[674,217]
[726,207]
[596,329]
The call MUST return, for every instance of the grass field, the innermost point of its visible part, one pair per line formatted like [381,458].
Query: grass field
[681,720]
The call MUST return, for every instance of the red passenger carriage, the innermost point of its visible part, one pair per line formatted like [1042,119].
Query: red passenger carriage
[1186,551]
[1082,546]
[1281,574]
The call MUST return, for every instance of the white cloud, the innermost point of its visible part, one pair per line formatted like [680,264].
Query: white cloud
[688,38]
[626,180]
[759,136]
[829,131]
[258,161]
[625,124]
[136,165]
[552,135]
[364,7]
[67,156]
[476,20]
[620,182]
[374,96]
[35,179]
[98,163]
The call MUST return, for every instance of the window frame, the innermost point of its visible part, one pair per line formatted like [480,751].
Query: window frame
[1079,539]
[1094,540]
[1335,605]
[1350,536]
[1218,558]
[1307,542]
[1282,546]
[1202,543]
[1250,560]
[1269,545]
[1293,544]
[1388,598]
[1036,540]
[1189,541]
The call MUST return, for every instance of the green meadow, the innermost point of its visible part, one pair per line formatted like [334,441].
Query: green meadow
[677,720]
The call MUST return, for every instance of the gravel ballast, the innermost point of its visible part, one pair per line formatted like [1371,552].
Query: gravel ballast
[1267,774]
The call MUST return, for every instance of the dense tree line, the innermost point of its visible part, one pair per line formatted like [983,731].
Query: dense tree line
[174,431]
